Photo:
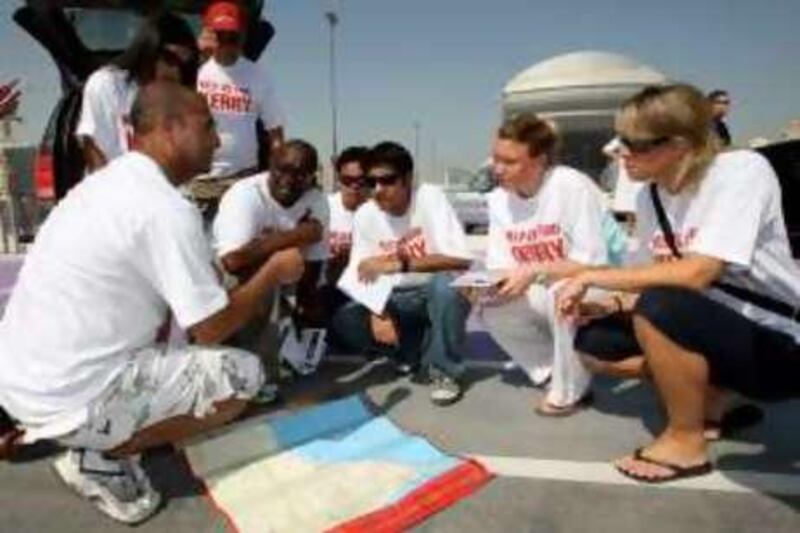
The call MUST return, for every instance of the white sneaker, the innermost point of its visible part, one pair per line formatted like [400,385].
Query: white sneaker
[119,488]
[445,390]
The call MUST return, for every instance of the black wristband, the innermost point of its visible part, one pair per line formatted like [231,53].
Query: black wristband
[405,264]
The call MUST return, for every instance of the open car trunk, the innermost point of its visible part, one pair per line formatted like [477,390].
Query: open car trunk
[81,36]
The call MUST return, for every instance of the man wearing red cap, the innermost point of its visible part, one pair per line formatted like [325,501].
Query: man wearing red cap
[239,93]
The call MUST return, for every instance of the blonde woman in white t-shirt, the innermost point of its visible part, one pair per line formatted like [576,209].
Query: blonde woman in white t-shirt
[545,222]
[712,304]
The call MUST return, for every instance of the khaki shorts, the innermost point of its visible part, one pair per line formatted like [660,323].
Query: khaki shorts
[159,384]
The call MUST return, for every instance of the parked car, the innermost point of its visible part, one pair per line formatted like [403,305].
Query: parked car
[80,36]
[468,197]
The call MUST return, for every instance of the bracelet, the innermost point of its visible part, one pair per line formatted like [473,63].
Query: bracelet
[620,305]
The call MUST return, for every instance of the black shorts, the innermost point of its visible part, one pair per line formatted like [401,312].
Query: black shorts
[742,355]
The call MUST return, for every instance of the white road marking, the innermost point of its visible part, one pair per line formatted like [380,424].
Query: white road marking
[736,481]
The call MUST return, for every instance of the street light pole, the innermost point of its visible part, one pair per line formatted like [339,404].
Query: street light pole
[417,127]
[333,20]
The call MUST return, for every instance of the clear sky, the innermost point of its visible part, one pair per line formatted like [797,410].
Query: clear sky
[443,63]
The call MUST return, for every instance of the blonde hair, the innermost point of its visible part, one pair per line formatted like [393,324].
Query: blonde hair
[675,111]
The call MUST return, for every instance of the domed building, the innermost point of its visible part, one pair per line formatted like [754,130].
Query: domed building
[581,92]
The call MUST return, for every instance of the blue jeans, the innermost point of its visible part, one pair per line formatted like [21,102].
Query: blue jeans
[431,326]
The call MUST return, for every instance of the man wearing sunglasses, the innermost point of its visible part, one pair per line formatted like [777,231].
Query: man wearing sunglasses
[410,237]
[266,216]
[354,190]
[239,93]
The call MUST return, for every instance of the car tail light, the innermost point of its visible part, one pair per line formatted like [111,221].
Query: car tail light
[44,175]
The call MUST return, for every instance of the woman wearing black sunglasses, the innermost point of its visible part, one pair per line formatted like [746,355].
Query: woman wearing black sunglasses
[164,48]
[711,303]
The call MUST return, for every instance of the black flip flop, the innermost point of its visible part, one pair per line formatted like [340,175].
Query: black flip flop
[678,471]
[735,420]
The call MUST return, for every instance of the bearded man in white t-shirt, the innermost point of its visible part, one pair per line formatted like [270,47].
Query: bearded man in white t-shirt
[239,93]
[545,223]
[79,337]
[407,239]
[277,211]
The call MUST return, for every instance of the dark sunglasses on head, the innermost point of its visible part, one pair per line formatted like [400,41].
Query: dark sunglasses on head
[385,180]
[642,146]
[355,182]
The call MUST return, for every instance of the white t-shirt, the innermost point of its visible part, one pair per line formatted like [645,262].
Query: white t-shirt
[734,215]
[248,209]
[107,100]
[430,226]
[563,220]
[113,257]
[625,191]
[238,95]
[340,230]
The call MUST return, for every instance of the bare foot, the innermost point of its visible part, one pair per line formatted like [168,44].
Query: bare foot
[668,457]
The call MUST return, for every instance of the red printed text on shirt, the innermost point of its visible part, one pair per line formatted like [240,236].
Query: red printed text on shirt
[412,244]
[543,243]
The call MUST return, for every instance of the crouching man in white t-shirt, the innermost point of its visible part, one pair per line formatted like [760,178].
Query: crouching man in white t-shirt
[405,241]
[545,222]
[78,341]
[354,190]
[267,215]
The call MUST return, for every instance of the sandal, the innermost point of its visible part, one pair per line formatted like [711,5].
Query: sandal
[678,471]
[546,408]
[733,421]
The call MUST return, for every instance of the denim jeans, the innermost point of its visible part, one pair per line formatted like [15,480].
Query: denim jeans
[431,326]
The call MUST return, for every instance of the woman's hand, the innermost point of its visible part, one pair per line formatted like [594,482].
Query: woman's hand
[594,309]
[569,298]
[516,282]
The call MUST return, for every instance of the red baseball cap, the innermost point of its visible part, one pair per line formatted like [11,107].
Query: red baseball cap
[225,16]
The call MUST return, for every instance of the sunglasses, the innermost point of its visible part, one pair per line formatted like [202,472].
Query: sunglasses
[228,37]
[385,180]
[642,146]
[355,182]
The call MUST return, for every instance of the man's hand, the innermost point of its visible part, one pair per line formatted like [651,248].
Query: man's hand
[369,269]
[383,330]
[308,227]
[516,282]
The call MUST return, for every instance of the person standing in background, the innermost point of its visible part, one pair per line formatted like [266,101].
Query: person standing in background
[720,106]
[164,49]
[239,93]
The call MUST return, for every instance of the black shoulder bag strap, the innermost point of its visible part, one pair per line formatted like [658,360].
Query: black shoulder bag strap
[765,302]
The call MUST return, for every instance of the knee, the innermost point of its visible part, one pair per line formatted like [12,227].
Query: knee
[243,371]
[658,304]
[440,290]
[289,265]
